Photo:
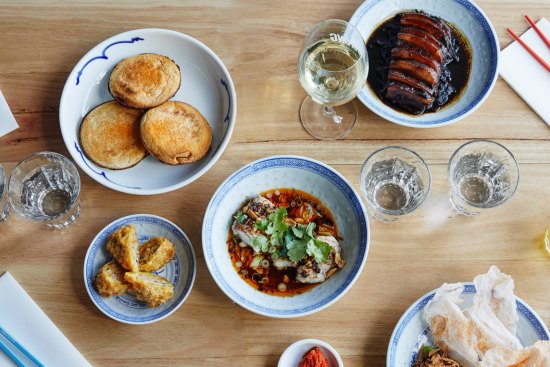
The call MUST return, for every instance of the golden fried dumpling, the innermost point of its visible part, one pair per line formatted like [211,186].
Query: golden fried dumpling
[110,136]
[123,245]
[110,281]
[155,253]
[176,133]
[144,81]
[153,289]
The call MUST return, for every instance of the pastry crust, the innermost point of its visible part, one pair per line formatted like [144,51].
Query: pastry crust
[109,281]
[176,133]
[109,136]
[153,289]
[155,253]
[123,245]
[144,81]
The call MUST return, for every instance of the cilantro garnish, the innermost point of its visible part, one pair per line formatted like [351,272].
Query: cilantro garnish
[240,217]
[293,241]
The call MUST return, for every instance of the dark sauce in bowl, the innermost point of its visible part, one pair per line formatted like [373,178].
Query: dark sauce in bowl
[267,279]
[454,75]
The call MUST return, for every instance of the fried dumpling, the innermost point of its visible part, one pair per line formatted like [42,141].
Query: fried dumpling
[123,245]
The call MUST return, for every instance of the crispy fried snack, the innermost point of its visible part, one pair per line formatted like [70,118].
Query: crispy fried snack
[110,281]
[155,253]
[153,289]
[123,245]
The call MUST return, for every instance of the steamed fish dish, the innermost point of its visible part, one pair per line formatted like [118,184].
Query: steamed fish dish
[284,242]
[485,334]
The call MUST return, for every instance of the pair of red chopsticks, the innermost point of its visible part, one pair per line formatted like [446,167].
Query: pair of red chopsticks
[529,49]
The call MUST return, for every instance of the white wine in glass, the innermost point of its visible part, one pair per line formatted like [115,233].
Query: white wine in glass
[333,69]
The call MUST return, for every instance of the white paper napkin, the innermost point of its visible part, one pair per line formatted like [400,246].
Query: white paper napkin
[29,325]
[7,121]
[525,75]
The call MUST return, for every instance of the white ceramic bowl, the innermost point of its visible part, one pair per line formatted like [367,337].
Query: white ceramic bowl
[206,84]
[411,331]
[472,22]
[305,174]
[294,353]
[180,271]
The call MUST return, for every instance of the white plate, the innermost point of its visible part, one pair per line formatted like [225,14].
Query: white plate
[472,22]
[206,84]
[180,271]
[301,173]
[411,331]
[295,352]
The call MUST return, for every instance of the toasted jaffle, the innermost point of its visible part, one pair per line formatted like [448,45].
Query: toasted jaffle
[153,289]
[176,133]
[155,253]
[109,136]
[144,81]
[123,245]
[110,281]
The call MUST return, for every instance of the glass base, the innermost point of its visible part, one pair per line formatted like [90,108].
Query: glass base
[460,209]
[327,123]
[67,219]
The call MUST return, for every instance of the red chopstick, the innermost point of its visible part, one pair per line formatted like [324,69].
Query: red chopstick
[544,38]
[533,53]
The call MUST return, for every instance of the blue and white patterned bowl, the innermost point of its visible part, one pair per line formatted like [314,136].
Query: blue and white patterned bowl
[180,271]
[411,331]
[206,84]
[472,22]
[305,174]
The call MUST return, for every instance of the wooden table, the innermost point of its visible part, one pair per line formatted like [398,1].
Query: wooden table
[259,42]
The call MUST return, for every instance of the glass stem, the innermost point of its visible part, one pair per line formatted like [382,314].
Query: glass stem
[328,111]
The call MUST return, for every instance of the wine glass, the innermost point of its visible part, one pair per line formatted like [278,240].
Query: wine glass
[333,68]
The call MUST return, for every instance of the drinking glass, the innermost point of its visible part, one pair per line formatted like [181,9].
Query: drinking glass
[333,68]
[4,205]
[394,182]
[482,174]
[44,187]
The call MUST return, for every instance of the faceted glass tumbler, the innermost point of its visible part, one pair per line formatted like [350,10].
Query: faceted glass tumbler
[482,174]
[45,187]
[394,182]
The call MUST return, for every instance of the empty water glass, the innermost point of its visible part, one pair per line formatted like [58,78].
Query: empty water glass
[44,187]
[4,206]
[482,174]
[394,182]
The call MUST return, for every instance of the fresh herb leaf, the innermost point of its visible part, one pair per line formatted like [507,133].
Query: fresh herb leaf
[262,225]
[318,250]
[297,232]
[260,244]
[296,249]
[240,217]
[309,229]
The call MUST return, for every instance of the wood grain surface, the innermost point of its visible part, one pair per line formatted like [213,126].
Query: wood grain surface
[259,42]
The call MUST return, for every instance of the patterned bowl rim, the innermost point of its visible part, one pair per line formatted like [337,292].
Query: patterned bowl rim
[135,36]
[406,120]
[95,247]
[286,161]
[469,288]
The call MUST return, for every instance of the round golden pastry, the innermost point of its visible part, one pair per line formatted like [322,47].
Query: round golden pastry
[109,136]
[176,133]
[144,81]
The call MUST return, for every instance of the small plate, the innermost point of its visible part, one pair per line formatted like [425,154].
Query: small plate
[206,84]
[411,331]
[180,271]
[294,353]
[474,25]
